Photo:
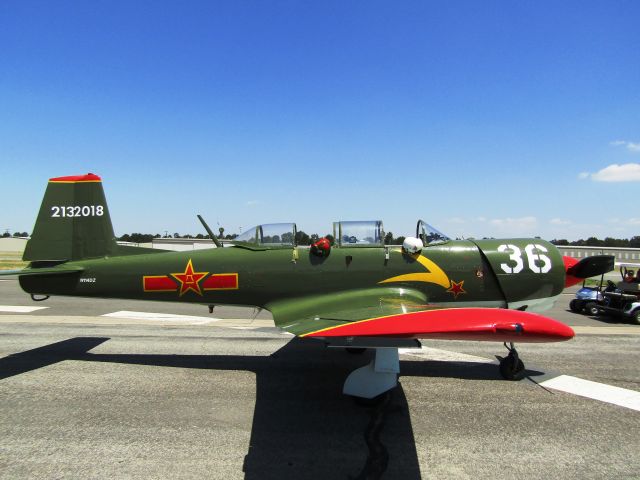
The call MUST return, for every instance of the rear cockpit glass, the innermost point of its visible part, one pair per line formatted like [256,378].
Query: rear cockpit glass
[271,234]
[363,233]
[430,235]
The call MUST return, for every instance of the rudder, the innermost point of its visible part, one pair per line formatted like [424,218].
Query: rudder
[73,222]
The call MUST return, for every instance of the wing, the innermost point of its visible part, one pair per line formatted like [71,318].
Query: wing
[405,313]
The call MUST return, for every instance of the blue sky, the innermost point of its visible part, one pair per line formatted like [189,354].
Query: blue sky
[482,118]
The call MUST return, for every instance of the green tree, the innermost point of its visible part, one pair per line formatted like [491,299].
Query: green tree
[302,238]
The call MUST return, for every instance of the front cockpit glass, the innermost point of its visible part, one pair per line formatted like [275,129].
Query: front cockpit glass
[363,233]
[271,234]
[430,235]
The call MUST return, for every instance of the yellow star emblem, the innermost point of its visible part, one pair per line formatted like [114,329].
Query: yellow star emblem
[189,280]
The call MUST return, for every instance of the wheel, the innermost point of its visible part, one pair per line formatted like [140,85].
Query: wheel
[591,308]
[510,369]
[576,305]
[355,350]
[635,317]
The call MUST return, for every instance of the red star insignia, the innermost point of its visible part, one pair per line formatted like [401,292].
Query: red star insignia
[456,288]
[189,280]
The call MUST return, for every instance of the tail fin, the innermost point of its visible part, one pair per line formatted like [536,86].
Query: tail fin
[73,222]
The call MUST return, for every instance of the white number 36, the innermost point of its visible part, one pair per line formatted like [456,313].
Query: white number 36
[537,262]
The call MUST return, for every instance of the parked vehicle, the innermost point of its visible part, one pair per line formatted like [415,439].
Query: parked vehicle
[589,299]
[624,300]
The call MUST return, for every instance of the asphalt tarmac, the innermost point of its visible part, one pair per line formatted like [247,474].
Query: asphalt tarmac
[140,394]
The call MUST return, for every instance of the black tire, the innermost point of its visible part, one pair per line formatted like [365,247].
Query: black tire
[591,308]
[576,305]
[510,370]
[635,317]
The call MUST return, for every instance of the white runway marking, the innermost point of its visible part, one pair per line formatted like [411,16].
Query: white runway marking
[435,354]
[565,383]
[597,391]
[19,309]
[161,317]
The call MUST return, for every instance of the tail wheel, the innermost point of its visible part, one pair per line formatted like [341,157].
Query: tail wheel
[591,308]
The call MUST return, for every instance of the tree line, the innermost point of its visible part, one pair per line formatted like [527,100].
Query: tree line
[633,242]
[303,238]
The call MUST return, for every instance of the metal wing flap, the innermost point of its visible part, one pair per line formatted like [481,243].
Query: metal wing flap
[303,315]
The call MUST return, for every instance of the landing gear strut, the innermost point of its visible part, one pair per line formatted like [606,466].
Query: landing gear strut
[379,376]
[511,367]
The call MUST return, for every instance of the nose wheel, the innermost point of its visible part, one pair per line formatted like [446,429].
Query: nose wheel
[511,367]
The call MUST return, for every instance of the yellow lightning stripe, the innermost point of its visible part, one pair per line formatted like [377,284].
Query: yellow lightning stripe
[371,319]
[434,275]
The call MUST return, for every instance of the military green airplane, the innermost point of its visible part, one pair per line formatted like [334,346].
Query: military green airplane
[348,289]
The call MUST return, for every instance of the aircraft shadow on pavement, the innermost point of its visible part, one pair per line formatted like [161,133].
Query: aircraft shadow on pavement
[303,427]
[29,360]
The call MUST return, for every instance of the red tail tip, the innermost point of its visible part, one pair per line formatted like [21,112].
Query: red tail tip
[89,177]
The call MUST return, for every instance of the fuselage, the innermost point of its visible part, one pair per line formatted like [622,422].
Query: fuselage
[511,273]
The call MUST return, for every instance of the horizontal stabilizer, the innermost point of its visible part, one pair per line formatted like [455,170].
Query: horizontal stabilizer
[60,270]
[483,324]
[592,266]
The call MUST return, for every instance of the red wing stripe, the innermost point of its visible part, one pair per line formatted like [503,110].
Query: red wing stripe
[221,281]
[158,283]
[491,324]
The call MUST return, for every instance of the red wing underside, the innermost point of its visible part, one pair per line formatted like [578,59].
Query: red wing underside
[488,324]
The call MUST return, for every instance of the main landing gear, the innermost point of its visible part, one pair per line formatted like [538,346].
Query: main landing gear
[511,367]
[375,378]
[381,374]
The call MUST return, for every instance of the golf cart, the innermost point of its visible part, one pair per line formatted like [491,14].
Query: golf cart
[624,300]
[588,300]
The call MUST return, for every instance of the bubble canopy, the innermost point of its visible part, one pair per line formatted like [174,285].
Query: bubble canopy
[275,234]
[430,235]
[361,233]
[366,233]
